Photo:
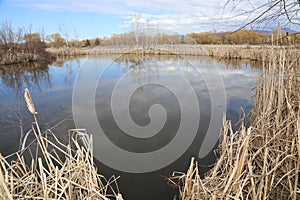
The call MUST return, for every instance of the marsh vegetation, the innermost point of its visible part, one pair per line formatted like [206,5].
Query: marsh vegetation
[260,161]
[47,168]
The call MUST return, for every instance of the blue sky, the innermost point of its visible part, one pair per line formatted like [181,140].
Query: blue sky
[95,18]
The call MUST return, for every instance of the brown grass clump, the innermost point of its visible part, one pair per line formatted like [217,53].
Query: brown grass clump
[135,50]
[49,169]
[250,52]
[262,161]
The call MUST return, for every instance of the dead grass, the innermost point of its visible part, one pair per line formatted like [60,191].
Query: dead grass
[65,52]
[249,52]
[19,57]
[116,50]
[50,169]
[254,53]
[261,161]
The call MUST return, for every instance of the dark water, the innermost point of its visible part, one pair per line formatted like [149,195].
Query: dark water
[148,115]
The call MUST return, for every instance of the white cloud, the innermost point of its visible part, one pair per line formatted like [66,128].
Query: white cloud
[172,22]
[177,15]
[121,7]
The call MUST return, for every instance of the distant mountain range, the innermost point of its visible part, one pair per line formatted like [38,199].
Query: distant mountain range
[283,30]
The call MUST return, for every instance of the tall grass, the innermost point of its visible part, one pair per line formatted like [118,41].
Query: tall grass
[260,161]
[255,53]
[19,57]
[50,169]
[115,50]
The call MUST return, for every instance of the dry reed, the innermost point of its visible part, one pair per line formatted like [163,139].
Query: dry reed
[261,161]
[19,57]
[54,170]
[255,53]
[251,52]
[115,50]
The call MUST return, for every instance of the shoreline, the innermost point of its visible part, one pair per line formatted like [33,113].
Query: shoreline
[260,161]
[249,158]
[238,52]
[250,52]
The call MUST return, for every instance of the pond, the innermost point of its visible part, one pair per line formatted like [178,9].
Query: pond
[148,114]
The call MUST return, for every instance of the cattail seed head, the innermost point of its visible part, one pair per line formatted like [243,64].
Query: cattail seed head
[29,102]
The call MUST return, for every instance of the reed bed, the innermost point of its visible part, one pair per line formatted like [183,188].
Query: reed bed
[65,52]
[50,169]
[254,53]
[18,57]
[113,50]
[183,49]
[250,52]
[260,161]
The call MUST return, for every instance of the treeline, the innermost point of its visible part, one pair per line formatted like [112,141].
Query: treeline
[57,40]
[24,45]
[21,45]
[246,37]
[146,39]
[125,39]
[239,37]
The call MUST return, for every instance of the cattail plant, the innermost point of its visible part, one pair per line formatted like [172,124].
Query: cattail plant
[29,102]
[59,171]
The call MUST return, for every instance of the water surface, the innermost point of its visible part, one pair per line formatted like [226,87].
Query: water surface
[52,86]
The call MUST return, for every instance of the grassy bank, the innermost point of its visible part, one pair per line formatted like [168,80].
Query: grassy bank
[256,53]
[113,50]
[263,160]
[46,168]
[20,55]
[64,51]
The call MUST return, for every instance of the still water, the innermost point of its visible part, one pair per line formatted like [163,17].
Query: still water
[148,114]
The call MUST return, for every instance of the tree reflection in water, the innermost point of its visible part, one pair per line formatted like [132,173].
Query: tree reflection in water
[14,78]
[23,75]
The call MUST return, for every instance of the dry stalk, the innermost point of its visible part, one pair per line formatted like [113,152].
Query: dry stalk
[57,171]
[262,161]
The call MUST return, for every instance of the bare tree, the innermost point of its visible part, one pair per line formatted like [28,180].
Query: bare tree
[55,40]
[136,24]
[63,30]
[76,38]
[42,34]
[7,35]
[264,11]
